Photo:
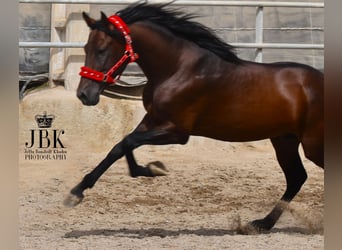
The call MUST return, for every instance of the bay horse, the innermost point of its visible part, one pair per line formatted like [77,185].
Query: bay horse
[198,86]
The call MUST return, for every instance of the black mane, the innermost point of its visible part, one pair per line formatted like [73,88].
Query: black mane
[181,25]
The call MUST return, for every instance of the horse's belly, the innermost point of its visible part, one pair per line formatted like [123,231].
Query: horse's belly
[240,129]
[236,135]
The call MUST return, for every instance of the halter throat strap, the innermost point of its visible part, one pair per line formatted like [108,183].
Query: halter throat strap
[129,55]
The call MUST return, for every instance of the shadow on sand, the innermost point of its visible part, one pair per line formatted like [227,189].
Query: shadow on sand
[160,232]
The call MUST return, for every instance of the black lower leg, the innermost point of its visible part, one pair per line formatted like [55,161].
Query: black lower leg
[90,179]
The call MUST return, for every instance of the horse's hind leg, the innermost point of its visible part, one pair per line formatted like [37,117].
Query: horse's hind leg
[286,148]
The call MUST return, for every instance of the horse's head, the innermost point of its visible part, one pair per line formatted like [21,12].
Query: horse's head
[105,47]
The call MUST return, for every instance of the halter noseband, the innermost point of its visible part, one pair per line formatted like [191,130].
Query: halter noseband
[128,55]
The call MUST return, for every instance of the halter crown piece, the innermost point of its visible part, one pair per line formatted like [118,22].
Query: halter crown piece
[128,55]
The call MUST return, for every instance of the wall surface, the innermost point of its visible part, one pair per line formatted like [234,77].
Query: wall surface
[34,26]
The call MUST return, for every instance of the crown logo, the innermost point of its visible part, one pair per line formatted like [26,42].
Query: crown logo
[44,121]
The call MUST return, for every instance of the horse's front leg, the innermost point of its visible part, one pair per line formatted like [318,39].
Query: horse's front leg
[76,194]
[156,136]
[161,136]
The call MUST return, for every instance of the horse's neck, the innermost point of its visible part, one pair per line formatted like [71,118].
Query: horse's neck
[159,53]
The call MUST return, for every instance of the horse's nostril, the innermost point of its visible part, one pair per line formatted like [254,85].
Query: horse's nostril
[82,96]
[86,98]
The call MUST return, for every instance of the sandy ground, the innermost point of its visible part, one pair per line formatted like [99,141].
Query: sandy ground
[211,188]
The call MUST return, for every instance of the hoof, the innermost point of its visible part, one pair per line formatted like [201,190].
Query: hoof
[248,229]
[254,227]
[157,168]
[73,200]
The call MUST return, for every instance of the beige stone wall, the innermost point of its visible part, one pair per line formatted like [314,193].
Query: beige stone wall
[92,129]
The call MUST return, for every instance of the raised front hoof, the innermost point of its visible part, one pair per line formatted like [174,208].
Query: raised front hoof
[157,168]
[255,227]
[73,200]
[152,169]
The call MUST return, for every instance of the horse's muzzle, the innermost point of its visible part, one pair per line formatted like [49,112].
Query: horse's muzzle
[87,99]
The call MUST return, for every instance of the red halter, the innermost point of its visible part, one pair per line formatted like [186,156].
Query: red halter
[128,55]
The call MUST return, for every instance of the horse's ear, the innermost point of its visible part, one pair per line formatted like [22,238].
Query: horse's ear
[104,20]
[103,17]
[90,21]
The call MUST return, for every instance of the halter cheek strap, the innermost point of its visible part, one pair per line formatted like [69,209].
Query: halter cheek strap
[129,55]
